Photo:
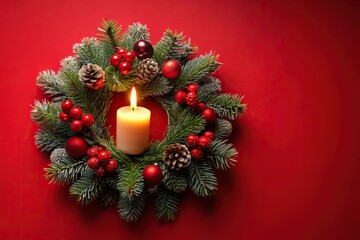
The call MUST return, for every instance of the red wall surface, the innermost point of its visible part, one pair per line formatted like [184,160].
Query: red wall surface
[296,62]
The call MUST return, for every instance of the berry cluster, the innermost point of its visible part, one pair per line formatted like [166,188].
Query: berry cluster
[100,161]
[75,114]
[190,98]
[197,144]
[123,60]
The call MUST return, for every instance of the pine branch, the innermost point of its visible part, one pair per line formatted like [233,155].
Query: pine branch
[110,197]
[130,210]
[175,181]
[121,157]
[52,85]
[210,87]
[135,32]
[227,105]
[202,180]
[66,171]
[130,183]
[157,87]
[117,82]
[166,204]
[90,51]
[223,128]
[221,155]
[197,69]
[47,140]
[87,188]
[109,37]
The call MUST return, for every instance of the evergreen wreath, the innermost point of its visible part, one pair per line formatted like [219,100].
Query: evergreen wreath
[84,155]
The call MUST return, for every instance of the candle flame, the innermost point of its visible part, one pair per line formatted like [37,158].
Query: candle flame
[133,99]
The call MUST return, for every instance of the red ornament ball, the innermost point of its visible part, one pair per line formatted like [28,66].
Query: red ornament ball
[64,117]
[196,153]
[93,151]
[209,134]
[76,113]
[121,52]
[192,99]
[204,142]
[87,120]
[143,49]
[201,106]
[76,147]
[76,126]
[209,115]
[66,106]
[129,56]
[115,60]
[100,172]
[192,140]
[192,87]
[104,156]
[180,97]
[125,68]
[171,69]
[152,175]
[93,163]
[111,165]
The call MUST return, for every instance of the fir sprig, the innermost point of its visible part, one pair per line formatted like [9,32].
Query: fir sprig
[202,180]
[110,37]
[87,188]
[135,32]
[130,182]
[221,155]
[130,210]
[175,181]
[227,105]
[166,204]
[118,82]
[157,87]
[51,84]
[47,140]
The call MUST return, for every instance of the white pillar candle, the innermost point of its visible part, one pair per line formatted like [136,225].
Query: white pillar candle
[132,127]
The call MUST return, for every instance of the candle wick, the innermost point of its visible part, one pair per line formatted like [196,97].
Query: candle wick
[133,108]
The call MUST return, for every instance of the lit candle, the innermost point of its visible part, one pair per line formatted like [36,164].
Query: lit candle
[132,127]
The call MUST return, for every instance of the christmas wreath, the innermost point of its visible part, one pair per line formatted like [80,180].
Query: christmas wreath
[83,153]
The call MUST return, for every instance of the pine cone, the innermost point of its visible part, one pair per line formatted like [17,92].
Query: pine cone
[147,70]
[177,156]
[58,155]
[92,76]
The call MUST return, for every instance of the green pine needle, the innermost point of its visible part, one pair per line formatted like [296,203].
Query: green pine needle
[221,155]
[227,105]
[51,84]
[130,210]
[87,188]
[202,180]
[166,204]
[131,183]
[135,32]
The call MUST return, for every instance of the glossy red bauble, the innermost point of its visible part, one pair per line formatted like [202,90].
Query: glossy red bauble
[143,49]
[121,52]
[129,56]
[204,142]
[93,163]
[87,120]
[104,156]
[115,60]
[111,165]
[125,68]
[76,113]
[64,117]
[152,175]
[171,69]
[66,106]
[192,140]
[201,106]
[93,151]
[209,115]
[180,97]
[76,126]
[76,147]
[209,134]
[196,153]
[192,87]
[100,172]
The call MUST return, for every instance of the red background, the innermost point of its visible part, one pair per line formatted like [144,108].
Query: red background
[296,62]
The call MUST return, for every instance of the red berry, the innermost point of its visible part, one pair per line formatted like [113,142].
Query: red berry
[192,140]
[64,117]
[100,148]
[192,99]
[76,113]
[201,106]
[171,69]
[66,106]
[197,153]
[129,56]
[209,115]
[192,87]
[121,51]
[111,165]
[115,60]
[87,120]
[204,142]
[93,151]
[76,126]
[180,97]
[93,163]
[100,172]
[125,68]
[209,134]
[104,156]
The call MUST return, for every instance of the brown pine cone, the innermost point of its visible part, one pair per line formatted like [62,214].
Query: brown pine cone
[177,156]
[147,70]
[92,76]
